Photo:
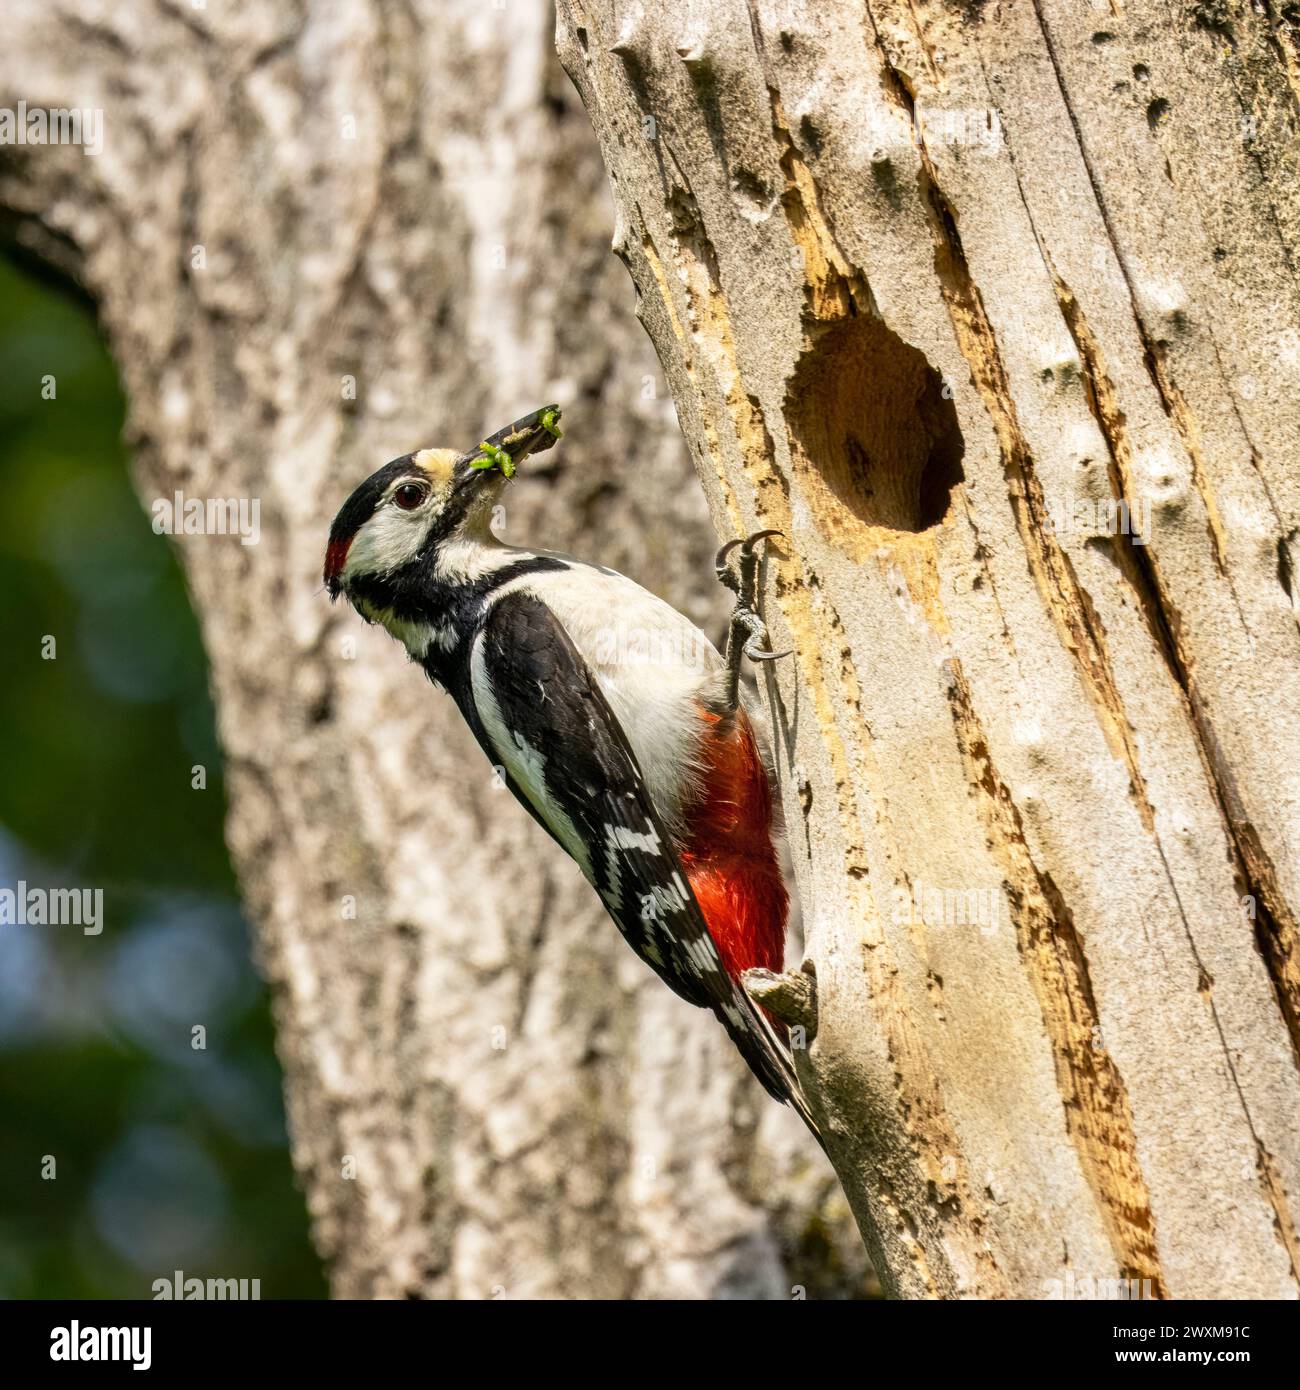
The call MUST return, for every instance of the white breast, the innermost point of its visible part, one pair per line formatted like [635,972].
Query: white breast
[654,667]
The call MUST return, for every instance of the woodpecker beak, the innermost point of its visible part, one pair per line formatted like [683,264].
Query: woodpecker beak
[508,447]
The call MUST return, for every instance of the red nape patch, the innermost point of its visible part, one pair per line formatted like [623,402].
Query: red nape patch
[729,857]
[335,558]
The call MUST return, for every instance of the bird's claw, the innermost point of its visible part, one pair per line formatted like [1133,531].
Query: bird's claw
[761,654]
[745,617]
[721,561]
[748,636]
[752,541]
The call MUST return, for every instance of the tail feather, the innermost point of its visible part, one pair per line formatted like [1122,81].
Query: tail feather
[768,1055]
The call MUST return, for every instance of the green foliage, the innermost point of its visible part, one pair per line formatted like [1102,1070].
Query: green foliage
[168,1156]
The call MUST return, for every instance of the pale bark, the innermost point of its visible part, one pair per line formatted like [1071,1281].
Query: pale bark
[487,1092]
[909,352]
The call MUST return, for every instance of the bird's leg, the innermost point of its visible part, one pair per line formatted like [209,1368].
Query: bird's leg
[747,634]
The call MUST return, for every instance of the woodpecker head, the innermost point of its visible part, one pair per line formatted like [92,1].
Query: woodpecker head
[394,523]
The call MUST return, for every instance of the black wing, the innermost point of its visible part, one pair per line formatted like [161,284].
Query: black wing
[543,716]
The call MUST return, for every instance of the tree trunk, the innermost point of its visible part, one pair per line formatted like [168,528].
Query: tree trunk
[992,309]
[319,237]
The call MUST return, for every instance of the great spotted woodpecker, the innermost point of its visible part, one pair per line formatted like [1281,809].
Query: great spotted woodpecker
[611,717]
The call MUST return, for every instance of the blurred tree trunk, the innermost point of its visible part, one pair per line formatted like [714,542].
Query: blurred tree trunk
[937,285]
[319,237]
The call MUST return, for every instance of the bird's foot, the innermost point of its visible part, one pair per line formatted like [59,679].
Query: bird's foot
[791,995]
[747,636]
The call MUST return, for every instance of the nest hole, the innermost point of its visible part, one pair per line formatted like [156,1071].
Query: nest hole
[867,414]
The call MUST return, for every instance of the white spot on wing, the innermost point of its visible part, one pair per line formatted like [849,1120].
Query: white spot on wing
[625,838]
[701,956]
[622,837]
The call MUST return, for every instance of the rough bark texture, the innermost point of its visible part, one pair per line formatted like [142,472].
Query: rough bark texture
[487,1093]
[925,278]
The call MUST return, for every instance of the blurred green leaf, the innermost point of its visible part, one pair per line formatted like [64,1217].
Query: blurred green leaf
[157,1146]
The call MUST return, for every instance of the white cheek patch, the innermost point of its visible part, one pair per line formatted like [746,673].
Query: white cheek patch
[389,540]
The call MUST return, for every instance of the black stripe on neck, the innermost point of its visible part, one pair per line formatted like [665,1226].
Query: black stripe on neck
[417,594]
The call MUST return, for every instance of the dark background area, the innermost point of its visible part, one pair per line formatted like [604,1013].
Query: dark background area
[167,1157]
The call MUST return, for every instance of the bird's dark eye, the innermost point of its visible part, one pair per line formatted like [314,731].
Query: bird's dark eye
[409,496]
